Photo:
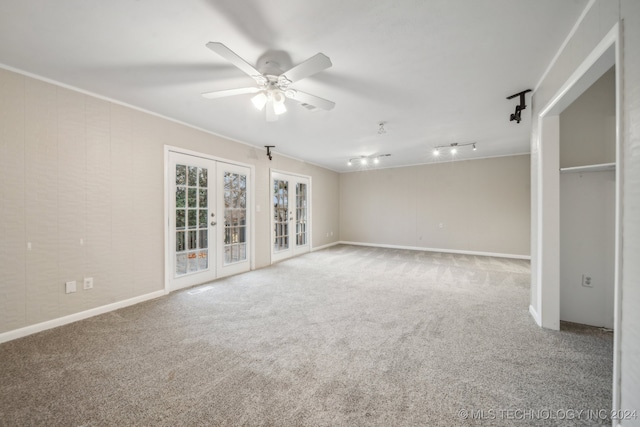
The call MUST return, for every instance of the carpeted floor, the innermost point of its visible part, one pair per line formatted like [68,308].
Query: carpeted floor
[347,336]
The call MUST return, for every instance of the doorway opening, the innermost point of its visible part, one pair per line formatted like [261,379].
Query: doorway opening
[290,215]
[209,229]
[546,301]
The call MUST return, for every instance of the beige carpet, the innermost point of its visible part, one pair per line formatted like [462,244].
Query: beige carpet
[347,336]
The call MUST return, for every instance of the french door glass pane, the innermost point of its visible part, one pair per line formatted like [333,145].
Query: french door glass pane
[191,219]
[301,214]
[280,214]
[235,217]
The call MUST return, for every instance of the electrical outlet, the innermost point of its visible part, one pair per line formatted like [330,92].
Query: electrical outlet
[88,282]
[70,287]
[586,281]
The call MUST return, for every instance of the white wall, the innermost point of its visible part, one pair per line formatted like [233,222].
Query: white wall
[75,167]
[587,243]
[587,205]
[470,206]
[597,22]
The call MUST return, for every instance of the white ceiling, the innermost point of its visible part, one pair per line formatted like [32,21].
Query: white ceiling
[435,71]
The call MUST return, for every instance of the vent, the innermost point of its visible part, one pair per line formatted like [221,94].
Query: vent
[308,106]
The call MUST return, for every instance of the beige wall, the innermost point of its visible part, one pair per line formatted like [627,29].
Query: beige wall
[597,22]
[74,168]
[476,205]
[588,125]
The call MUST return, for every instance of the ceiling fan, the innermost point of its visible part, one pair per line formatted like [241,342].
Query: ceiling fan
[273,83]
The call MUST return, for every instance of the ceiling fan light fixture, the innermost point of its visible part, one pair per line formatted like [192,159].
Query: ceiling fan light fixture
[279,108]
[259,101]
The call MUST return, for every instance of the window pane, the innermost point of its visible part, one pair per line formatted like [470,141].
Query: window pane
[180,219]
[180,197]
[192,197]
[203,198]
[203,218]
[203,177]
[192,262]
[192,240]
[203,260]
[181,264]
[242,234]
[193,176]
[181,175]
[193,218]
[203,242]
[227,181]
[180,241]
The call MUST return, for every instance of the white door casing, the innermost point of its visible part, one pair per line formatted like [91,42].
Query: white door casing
[209,229]
[290,215]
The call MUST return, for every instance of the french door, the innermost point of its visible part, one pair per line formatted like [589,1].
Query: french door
[290,215]
[208,220]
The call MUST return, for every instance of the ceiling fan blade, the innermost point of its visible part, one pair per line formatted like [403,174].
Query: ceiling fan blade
[230,92]
[313,65]
[232,57]
[307,98]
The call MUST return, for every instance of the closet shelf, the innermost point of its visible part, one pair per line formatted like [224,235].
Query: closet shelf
[590,168]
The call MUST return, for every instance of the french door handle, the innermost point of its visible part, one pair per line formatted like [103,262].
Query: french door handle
[213,223]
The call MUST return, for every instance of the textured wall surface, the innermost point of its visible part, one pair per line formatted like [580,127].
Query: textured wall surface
[477,205]
[83,196]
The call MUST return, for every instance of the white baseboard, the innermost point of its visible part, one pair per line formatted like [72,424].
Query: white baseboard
[319,248]
[54,323]
[446,251]
[535,315]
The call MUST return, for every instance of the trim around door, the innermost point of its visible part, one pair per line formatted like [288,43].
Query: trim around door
[250,206]
[309,220]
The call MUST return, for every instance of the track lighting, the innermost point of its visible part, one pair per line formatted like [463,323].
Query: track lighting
[364,160]
[453,147]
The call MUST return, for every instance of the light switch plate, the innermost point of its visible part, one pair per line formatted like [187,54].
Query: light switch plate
[70,287]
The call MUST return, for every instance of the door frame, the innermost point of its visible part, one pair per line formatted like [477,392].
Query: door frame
[250,204]
[545,231]
[309,210]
